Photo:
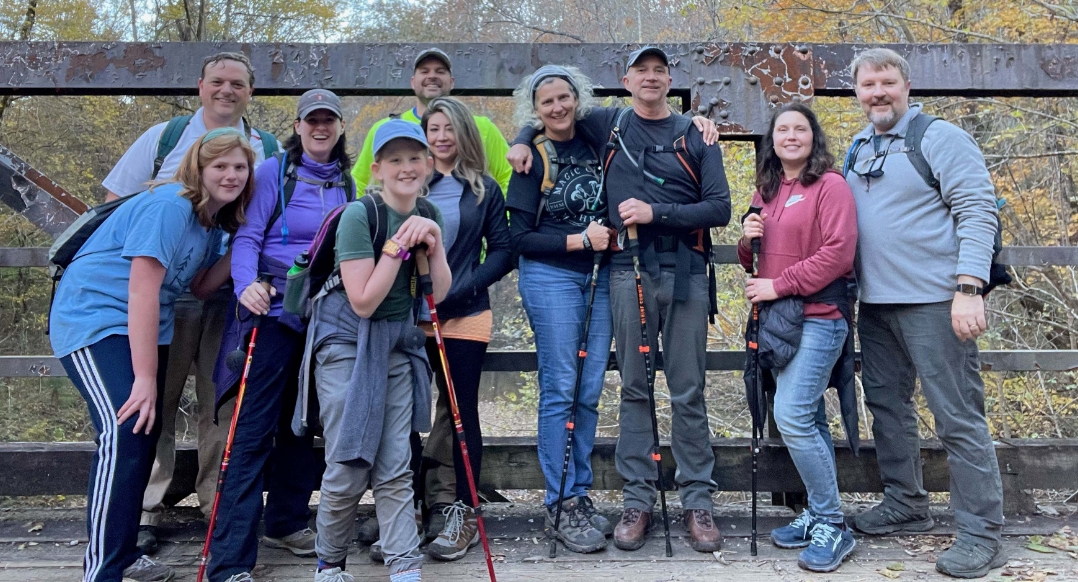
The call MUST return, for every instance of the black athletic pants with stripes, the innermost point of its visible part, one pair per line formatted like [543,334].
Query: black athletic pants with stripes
[103,374]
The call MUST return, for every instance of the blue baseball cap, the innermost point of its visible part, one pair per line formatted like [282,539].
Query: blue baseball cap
[398,128]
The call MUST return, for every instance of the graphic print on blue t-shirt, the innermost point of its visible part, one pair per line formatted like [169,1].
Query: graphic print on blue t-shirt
[576,198]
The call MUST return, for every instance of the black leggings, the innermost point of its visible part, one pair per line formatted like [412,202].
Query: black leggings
[466,364]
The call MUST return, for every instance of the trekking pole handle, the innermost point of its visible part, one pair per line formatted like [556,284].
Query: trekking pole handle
[755,243]
[631,230]
[422,266]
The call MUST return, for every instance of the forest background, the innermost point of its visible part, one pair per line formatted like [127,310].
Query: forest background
[1030,146]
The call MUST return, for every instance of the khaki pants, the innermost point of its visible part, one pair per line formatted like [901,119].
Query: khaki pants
[195,342]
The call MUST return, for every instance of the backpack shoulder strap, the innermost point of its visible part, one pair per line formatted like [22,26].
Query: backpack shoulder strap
[269,143]
[169,138]
[613,144]
[286,187]
[915,132]
[425,207]
[377,219]
[681,150]
[549,155]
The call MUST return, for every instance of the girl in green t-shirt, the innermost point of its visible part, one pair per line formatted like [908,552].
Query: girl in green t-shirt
[370,368]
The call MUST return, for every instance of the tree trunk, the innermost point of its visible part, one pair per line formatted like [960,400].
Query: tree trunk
[134,20]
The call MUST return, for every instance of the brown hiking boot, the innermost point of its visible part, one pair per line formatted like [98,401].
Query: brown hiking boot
[704,536]
[461,532]
[632,530]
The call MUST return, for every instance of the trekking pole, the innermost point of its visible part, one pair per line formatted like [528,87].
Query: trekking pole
[570,426]
[228,444]
[427,288]
[754,347]
[645,349]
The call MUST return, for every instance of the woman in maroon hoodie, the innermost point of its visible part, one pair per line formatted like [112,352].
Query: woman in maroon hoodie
[808,236]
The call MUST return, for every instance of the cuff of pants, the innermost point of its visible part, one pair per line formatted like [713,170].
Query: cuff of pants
[151,518]
[399,565]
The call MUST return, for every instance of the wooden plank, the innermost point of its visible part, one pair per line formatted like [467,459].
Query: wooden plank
[717,361]
[512,463]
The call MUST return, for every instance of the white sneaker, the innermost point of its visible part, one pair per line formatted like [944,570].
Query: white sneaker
[241,577]
[333,575]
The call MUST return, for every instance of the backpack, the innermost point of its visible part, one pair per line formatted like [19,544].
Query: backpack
[552,166]
[678,148]
[175,128]
[67,246]
[314,275]
[915,132]
[286,181]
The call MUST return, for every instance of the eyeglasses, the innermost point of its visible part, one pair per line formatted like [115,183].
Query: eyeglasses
[866,167]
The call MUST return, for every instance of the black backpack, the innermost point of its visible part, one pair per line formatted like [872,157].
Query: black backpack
[915,132]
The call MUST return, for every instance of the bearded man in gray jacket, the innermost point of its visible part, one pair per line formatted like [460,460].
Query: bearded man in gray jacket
[924,255]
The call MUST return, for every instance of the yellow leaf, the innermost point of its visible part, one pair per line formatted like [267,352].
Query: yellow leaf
[889,574]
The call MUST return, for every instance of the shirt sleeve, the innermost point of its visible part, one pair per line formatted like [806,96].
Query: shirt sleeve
[361,172]
[836,215]
[354,234]
[156,230]
[496,149]
[713,209]
[966,187]
[499,259]
[525,191]
[135,168]
[247,244]
[744,253]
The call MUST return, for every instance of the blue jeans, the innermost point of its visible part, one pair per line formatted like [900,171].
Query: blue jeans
[555,300]
[798,403]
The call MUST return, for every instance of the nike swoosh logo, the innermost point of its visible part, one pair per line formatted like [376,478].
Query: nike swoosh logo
[794,200]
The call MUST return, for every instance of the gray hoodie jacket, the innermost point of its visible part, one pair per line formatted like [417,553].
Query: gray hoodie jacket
[913,241]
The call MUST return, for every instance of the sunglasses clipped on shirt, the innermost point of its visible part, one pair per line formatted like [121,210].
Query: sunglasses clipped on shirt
[866,168]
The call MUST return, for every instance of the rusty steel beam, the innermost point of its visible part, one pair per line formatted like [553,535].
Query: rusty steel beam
[37,198]
[735,83]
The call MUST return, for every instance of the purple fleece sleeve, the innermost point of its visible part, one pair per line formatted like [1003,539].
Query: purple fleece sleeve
[247,244]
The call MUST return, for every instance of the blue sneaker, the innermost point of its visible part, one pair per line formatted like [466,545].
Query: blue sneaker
[830,545]
[798,534]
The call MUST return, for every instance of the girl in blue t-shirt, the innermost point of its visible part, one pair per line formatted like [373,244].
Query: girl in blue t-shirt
[112,323]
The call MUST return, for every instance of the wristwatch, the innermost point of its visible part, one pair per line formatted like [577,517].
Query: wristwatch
[394,250]
[585,240]
[969,289]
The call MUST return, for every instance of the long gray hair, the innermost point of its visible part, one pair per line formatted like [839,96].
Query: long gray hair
[471,162]
[525,101]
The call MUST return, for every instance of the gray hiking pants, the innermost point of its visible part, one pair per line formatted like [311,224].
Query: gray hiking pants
[684,337]
[390,477]
[900,343]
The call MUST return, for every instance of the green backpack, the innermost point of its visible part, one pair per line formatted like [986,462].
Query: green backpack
[171,136]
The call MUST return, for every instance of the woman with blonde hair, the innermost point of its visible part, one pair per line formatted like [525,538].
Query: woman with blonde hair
[111,325]
[473,211]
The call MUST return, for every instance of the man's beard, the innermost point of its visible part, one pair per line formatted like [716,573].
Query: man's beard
[887,119]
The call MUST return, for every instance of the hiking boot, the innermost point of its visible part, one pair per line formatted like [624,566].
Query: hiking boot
[241,577]
[574,528]
[146,570]
[367,533]
[376,553]
[597,521]
[797,534]
[147,539]
[966,559]
[461,532]
[631,531]
[437,521]
[300,543]
[884,519]
[703,535]
[831,543]
[333,575]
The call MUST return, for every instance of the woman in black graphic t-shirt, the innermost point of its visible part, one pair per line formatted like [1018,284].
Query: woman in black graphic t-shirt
[554,228]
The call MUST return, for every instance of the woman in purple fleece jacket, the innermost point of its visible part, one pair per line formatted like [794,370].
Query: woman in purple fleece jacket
[265,247]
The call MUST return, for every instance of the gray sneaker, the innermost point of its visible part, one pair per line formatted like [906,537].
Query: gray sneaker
[461,532]
[146,570]
[241,577]
[966,559]
[376,553]
[333,575]
[884,519]
[597,521]
[575,529]
[300,543]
